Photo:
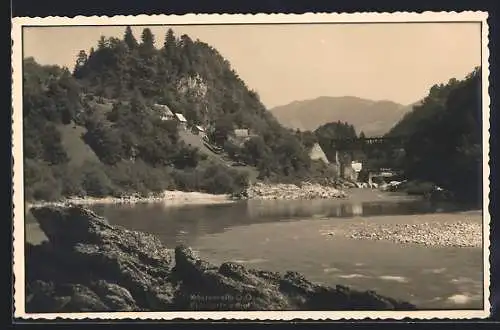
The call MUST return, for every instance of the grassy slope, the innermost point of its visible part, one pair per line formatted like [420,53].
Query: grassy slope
[78,151]
[196,141]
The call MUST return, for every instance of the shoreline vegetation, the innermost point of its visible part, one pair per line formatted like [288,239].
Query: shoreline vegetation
[256,191]
[173,197]
[260,191]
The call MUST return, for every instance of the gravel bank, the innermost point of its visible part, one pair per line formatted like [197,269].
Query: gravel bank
[464,231]
[308,191]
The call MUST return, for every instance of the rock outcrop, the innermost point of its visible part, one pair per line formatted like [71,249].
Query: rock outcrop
[89,265]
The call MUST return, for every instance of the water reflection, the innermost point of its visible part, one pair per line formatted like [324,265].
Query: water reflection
[176,225]
[249,233]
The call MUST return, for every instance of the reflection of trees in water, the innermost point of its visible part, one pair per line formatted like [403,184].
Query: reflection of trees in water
[357,209]
[302,209]
[176,225]
[262,210]
[284,209]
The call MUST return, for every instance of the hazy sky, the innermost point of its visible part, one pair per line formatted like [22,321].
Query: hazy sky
[284,63]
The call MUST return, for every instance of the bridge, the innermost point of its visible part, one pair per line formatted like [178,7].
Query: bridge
[393,142]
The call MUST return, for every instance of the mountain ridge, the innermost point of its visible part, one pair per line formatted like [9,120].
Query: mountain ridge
[370,116]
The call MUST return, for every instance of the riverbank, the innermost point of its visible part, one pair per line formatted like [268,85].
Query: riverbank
[168,197]
[89,265]
[462,229]
[259,191]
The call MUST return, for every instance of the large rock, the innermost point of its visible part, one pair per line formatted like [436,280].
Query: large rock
[231,286]
[89,265]
[83,248]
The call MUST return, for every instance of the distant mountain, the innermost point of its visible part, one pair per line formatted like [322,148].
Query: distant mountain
[374,118]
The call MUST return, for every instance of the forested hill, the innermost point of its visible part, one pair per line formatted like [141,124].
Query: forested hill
[445,137]
[440,99]
[189,76]
[108,100]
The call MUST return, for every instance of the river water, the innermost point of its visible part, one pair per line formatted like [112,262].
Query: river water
[287,235]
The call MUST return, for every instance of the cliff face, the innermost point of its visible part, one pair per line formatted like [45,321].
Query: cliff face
[89,265]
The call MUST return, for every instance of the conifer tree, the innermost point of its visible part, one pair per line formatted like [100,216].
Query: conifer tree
[81,61]
[170,42]
[148,40]
[130,39]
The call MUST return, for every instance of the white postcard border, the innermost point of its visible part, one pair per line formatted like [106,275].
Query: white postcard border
[398,17]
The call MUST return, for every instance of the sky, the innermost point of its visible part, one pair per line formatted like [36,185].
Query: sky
[290,62]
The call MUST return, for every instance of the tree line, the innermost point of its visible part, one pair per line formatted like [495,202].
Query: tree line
[445,137]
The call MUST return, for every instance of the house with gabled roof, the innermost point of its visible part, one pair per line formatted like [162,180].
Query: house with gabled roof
[181,119]
[164,111]
[198,130]
[317,153]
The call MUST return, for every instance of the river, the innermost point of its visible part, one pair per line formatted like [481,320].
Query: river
[289,235]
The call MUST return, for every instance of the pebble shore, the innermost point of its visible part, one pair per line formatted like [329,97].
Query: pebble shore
[465,231]
[457,234]
[306,191]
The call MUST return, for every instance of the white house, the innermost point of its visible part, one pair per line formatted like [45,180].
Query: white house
[317,153]
[181,119]
[241,133]
[356,166]
[198,130]
[164,110]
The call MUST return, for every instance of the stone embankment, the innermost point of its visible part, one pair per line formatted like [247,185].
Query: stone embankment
[291,191]
[89,265]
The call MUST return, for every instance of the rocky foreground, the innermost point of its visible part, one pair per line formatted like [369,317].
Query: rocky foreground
[89,265]
[306,191]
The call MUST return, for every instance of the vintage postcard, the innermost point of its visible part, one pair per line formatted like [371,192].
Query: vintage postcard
[259,167]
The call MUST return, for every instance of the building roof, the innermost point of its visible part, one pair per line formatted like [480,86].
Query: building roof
[317,153]
[180,117]
[201,129]
[241,132]
[166,110]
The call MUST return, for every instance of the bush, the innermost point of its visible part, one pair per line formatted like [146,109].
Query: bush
[40,182]
[46,182]
[417,187]
[137,177]
[187,180]
[71,180]
[95,181]
[211,178]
